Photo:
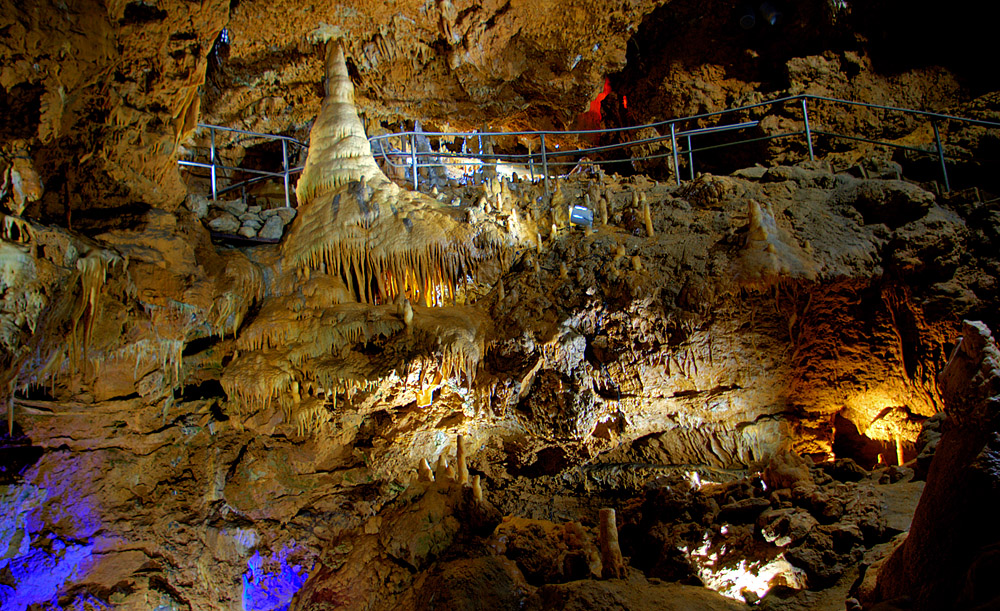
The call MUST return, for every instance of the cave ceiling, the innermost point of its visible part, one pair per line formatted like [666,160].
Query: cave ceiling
[463,63]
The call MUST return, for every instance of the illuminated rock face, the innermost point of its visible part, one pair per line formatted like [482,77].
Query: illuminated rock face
[292,401]
[946,560]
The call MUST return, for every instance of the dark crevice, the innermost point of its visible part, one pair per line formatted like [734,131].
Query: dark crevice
[16,456]
[236,462]
[129,397]
[550,461]
[24,102]
[217,413]
[138,13]
[209,389]
[91,221]
[200,345]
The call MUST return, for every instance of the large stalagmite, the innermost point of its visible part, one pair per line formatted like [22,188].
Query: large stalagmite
[355,223]
[358,243]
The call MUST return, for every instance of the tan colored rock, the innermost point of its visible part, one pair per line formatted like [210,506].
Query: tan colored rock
[940,564]
[787,470]
[286,214]
[612,564]
[197,204]
[636,594]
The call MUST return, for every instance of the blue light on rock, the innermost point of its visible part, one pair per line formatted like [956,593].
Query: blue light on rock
[39,575]
[45,532]
[269,585]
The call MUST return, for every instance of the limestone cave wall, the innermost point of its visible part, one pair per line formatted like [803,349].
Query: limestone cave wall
[744,366]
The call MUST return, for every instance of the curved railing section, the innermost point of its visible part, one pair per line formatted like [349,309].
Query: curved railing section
[410,151]
[404,150]
[217,170]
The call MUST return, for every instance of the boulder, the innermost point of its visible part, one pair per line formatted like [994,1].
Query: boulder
[743,510]
[845,470]
[890,202]
[786,470]
[489,582]
[197,204]
[224,222]
[785,526]
[235,207]
[273,228]
[547,552]
[636,594]
[286,214]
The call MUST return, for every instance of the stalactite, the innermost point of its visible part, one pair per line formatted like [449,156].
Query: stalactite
[463,469]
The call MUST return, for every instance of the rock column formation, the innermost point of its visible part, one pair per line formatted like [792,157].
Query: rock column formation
[949,559]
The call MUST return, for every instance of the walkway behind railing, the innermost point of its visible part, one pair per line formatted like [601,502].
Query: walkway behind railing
[547,158]
[680,141]
[215,167]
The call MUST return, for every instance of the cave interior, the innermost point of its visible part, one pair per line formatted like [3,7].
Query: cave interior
[658,304]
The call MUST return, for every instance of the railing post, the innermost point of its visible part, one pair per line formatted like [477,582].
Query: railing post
[690,158]
[413,158]
[284,169]
[809,139]
[940,150]
[531,164]
[211,158]
[673,144]
[482,164]
[545,165]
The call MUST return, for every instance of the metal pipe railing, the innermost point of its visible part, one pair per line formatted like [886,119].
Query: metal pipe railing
[543,158]
[805,121]
[213,166]
[545,153]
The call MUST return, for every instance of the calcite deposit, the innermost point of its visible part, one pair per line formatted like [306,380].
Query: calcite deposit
[739,388]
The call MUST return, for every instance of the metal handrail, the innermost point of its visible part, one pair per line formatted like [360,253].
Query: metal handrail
[542,157]
[213,165]
[547,157]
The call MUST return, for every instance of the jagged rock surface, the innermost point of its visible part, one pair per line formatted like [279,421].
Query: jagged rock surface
[949,556]
[599,379]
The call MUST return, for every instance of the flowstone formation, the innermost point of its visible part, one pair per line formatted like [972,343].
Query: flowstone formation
[359,256]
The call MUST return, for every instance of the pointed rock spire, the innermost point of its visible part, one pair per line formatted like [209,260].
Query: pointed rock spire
[339,151]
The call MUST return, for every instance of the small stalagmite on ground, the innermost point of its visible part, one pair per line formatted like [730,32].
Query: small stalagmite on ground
[611,554]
